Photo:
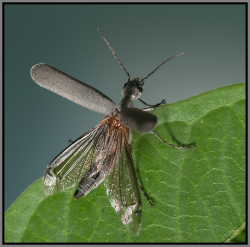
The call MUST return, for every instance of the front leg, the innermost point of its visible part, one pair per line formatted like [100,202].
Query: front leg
[152,107]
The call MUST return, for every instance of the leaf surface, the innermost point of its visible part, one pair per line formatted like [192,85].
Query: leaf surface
[199,194]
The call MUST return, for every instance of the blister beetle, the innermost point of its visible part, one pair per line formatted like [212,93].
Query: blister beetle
[103,153]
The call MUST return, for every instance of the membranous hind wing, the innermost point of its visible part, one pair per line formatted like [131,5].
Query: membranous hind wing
[104,164]
[79,159]
[121,182]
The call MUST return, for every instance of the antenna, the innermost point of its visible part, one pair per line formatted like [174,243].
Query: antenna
[110,47]
[142,80]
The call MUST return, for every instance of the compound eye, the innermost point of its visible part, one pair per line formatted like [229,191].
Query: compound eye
[125,85]
[139,87]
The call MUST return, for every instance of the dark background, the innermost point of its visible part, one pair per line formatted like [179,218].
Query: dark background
[39,123]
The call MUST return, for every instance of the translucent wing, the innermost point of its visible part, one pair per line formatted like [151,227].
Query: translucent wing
[122,185]
[82,158]
[102,167]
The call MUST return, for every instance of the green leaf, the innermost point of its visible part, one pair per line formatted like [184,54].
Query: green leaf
[199,194]
[239,236]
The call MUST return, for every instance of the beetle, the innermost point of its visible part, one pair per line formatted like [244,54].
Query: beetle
[103,153]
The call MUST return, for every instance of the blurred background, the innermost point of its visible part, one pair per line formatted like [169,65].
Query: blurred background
[39,123]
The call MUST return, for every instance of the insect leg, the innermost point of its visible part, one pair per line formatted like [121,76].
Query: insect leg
[152,107]
[144,193]
[152,132]
[69,141]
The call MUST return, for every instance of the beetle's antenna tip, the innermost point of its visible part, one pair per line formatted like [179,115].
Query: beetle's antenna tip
[110,47]
[161,65]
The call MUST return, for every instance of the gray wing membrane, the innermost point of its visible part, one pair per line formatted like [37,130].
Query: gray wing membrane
[79,92]
[82,158]
[122,187]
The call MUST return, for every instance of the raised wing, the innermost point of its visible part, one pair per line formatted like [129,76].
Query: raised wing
[122,185]
[79,92]
[137,119]
[82,158]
